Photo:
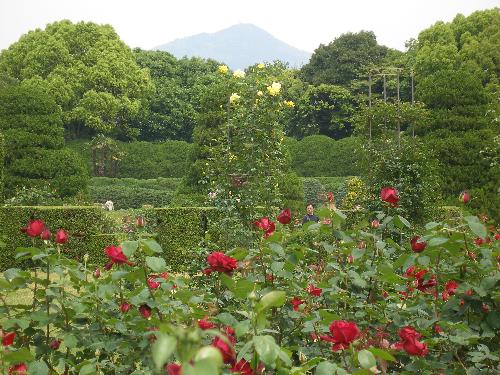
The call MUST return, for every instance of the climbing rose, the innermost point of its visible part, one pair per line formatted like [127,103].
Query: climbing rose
[314,291]
[285,216]
[61,236]
[464,197]
[35,228]
[8,338]
[416,245]
[389,195]
[145,311]
[205,323]
[296,302]
[266,225]
[219,262]
[116,255]
[409,342]
[342,334]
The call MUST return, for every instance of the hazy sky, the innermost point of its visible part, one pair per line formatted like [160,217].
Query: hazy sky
[303,24]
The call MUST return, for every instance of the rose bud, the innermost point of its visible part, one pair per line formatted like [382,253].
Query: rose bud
[145,311]
[125,307]
[362,245]
[45,235]
[485,308]
[139,221]
[97,273]
[416,245]
[61,236]
[464,197]
[462,303]
[375,224]
[54,345]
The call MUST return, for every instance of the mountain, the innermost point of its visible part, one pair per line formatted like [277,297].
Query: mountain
[237,46]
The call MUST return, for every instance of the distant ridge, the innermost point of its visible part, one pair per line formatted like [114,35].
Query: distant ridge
[237,46]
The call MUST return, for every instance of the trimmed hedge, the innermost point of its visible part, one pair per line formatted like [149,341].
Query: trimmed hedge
[181,230]
[80,223]
[2,157]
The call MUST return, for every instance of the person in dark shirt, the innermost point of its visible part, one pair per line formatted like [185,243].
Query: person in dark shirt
[310,214]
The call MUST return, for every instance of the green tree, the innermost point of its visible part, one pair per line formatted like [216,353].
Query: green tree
[90,72]
[35,155]
[324,109]
[344,59]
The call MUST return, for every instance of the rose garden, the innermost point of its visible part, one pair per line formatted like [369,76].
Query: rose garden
[153,209]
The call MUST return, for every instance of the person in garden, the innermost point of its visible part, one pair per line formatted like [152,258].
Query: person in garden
[310,216]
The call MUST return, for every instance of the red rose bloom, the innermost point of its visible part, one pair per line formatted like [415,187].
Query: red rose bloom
[342,334]
[285,216]
[55,344]
[205,323]
[242,367]
[8,338]
[125,307]
[45,235]
[409,342]
[152,283]
[225,349]
[314,291]
[61,236]
[266,225]
[116,255]
[449,289]
[464,197]
[416,245]
[329,196]
[173,369]
[219,262]
[296,302]
[145,311]
[19,369]
[389,195]
[35,228]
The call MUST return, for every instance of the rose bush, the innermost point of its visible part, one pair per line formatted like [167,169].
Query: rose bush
[273,306]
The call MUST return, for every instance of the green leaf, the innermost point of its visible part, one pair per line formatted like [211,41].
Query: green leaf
[203,367]
[276,298]
[153,246]
[476,226]
[156,264]
[366,359]
[70,341]
[379,353]
[118,275]
[401,222]
[227,281]
[437,241]
[424,260]
[129,248]
[325,368]
[162,349]
[38,368]
[88,369]
[243,288]
[21,355]
[266,348]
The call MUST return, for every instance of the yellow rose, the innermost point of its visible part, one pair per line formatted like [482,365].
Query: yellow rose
[239,74]
[289,104]
[223,69]
[274,89]
[234,98]
[261,66]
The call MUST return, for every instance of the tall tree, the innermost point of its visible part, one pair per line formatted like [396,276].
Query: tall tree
[90,72]
[344,59]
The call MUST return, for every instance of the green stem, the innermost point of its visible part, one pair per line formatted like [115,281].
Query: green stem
[47,299]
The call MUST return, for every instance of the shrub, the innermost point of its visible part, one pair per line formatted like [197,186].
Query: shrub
[313,189]
[79,222]
[2,155]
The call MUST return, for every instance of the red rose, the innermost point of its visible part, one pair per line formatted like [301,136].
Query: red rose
[205,323]
[329,196]
[416,245]
[449,289]
[314,291]
[342,334]
[296,302]
[145,311]
[409,342]
[285,216]
[61,236]
[375,224]
[243,368]
[45,235]
[152,283]
[54,345]
[108,266]
[8,338]
[116,255]
[219,262]
[437,328]
[350,259]
[389,195]
[464,197]
[125,307]
[266,225]
[19,369]
[97,273]
[225,348]
[35,228]
[173,369]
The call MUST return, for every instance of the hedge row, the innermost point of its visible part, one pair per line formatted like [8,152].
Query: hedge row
[2,156]
[81,223]
[128,197]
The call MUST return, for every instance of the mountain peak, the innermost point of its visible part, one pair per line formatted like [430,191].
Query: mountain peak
[238,46]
